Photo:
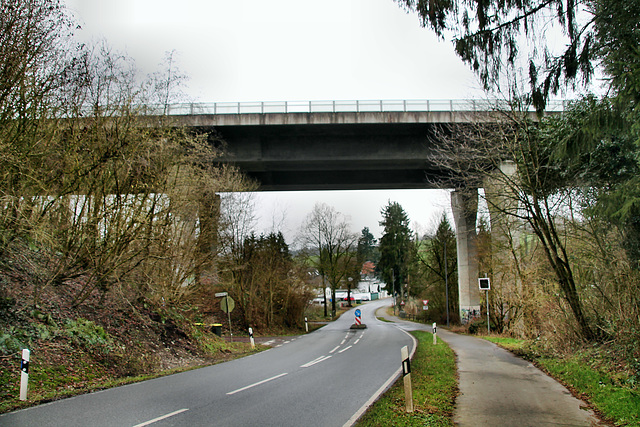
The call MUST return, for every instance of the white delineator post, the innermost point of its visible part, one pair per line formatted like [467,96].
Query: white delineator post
[24,374]
[435,333]
[406,376]
[306,325]
[253,343]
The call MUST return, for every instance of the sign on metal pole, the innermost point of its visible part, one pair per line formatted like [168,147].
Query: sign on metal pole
[227,305]
[485,285]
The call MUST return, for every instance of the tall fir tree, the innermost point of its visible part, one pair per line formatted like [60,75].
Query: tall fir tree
[394,247]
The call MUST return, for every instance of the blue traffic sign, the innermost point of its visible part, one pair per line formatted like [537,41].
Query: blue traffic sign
[358,313]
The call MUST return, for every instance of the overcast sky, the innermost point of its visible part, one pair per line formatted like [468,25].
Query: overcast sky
[292,50]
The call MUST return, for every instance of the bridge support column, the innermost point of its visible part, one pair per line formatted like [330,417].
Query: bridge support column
[464,204]
[507,254]
[502,201]
[208,219]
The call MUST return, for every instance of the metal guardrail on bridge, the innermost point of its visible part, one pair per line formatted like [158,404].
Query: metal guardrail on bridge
[340,107]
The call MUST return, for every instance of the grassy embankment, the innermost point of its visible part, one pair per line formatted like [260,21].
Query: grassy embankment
[60,369]
[71,357]
[588,373]
[435,386]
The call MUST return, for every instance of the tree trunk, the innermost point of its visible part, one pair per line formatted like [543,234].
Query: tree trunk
[562,270]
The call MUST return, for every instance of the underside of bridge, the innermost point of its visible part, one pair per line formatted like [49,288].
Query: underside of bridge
[354,156]
[334,157]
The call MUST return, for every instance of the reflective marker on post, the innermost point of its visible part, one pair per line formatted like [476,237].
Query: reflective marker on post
[306,324]
[253,344]
[406,375]
[24,374]
[435,333]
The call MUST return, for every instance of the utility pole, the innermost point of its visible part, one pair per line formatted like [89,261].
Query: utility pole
[395,293]
[321,268]
[446,281]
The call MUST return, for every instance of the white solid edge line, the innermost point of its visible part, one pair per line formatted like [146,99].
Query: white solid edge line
[255,384]
[384,386]
[155,420]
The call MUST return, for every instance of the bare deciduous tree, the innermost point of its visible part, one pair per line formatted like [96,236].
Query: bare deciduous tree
[327,232]
[513,159]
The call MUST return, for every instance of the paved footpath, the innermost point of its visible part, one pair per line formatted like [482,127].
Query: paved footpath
[500,389]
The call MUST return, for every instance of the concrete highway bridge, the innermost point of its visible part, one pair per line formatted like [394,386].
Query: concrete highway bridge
[348,145]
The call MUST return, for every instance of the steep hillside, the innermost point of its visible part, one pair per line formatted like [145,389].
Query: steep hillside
[107,339]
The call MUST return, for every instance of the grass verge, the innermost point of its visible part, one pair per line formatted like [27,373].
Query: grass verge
[435,386]
[78,373]
[612,395]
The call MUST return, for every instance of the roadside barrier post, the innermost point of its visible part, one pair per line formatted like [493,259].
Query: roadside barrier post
[406,376]
[24,374]
[435,334]
[253,343]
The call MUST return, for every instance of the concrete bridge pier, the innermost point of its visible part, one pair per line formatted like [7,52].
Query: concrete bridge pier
[464,204]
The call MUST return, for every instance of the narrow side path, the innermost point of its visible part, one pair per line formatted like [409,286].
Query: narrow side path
[500,389]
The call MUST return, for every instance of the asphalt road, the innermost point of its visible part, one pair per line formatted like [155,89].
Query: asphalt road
[325,378]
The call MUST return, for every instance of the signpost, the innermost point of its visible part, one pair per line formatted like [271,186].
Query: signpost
[485,284]
[358,323]
[227,305]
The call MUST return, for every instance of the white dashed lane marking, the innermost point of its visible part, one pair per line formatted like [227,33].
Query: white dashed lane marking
[256,384]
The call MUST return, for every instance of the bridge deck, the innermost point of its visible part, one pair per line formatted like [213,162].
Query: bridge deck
[334,145]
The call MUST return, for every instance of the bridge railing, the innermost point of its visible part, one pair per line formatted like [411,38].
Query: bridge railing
[340,106]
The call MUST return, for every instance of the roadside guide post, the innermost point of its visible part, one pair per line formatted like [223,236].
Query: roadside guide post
[485,284]
[306,325]
[253,343]
[24,374]
[435,333]
[406,376]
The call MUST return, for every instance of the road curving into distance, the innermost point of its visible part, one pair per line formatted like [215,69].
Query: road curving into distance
[324,378]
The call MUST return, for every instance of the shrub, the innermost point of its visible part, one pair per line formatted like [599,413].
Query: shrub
[87,333]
